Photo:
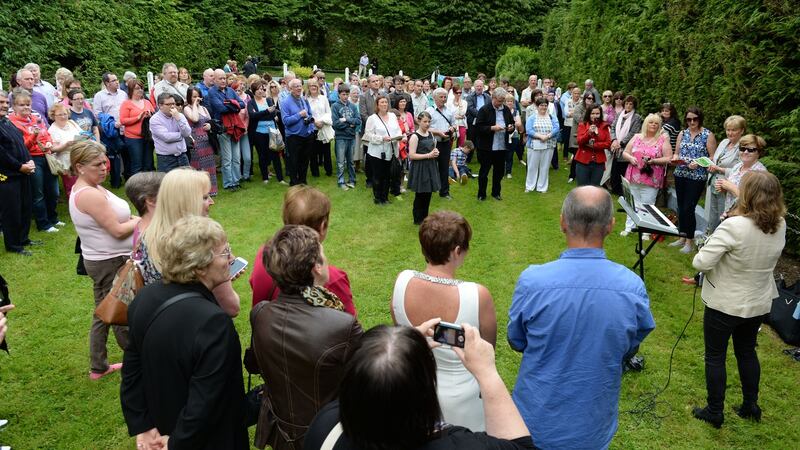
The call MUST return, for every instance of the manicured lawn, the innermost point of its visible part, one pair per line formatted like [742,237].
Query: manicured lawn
[47,396]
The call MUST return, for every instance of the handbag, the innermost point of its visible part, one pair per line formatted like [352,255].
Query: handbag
[113,309]
[784,317]
[276,140]
[216,127]
[56,167]
[325,134]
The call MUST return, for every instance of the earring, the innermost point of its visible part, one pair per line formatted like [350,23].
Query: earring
[81,172]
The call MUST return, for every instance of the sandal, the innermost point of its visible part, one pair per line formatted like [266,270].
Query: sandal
[111,369]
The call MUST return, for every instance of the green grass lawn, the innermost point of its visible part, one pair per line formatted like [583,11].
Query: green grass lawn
[51,403]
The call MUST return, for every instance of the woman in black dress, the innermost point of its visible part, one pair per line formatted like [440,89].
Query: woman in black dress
[423,178]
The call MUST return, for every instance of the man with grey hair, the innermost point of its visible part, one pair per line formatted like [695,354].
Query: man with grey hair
[169,82]
[493,124]
[443,128]
[576,320]
[127,76]
[590,89]
[42,86]
[27,81]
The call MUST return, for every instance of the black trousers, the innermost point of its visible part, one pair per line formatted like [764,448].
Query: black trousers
[299,151]
[16,211]
[718,328]
[267,156]
[444,165]
[618,169]
[688,192]
[494,161]
[422,203]
[380,178]
[367,168]
[589,174]
[321,157]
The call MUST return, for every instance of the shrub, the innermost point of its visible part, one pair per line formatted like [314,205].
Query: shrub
[517,63]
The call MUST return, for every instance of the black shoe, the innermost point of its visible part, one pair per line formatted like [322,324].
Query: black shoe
[714,419]
[751,411]
[446,197]
[480,198]
[23,252]
[497,197]
[635,363]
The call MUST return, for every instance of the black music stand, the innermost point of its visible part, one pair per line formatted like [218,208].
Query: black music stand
[641,252]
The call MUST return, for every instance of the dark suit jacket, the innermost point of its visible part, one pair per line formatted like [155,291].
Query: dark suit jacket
[484,136]
[185,376]
[472,108]
[366,105]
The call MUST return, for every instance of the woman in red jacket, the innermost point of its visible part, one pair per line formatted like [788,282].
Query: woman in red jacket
[594,138]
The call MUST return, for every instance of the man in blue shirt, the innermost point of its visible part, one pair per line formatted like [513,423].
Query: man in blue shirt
[223,101]
[299,125]
[575,320]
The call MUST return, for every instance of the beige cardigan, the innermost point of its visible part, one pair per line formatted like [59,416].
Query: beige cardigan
[738,261]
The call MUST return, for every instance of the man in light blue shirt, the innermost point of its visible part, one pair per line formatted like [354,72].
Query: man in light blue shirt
[575,320]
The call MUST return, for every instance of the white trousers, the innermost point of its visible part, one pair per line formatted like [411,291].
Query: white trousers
[642,194]
[538,175]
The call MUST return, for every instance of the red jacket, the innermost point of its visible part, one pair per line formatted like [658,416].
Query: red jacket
[602,141]
[261,283]
[34,142]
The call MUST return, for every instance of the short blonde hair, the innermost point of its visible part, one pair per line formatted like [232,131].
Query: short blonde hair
[306,205]
[652,117]
[83,152]
[55,109]
[188,247]
[180,195]
[737,122]
[754,140]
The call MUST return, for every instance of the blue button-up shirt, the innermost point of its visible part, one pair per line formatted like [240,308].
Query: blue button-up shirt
[574,319]
[292,121]
[499,139]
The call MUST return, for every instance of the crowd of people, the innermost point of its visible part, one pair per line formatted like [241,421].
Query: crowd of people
[328,382]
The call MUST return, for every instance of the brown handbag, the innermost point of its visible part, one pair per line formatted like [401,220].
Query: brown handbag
[113,310]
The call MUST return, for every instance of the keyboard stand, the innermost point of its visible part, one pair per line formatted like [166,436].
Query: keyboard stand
[642,252]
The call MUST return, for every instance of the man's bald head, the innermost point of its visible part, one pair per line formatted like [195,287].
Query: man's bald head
[220,79]
[587,213]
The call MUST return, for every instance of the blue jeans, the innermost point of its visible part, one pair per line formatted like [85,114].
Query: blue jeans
[344,158]
[135,155]
[168,162]
[247,156]
[230,154]
[44,191]
[462,170]
[114,148]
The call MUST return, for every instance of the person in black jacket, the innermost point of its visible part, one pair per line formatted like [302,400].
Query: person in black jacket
[262,111]
[475,101]
[182,381]
[16,168]
[490,139]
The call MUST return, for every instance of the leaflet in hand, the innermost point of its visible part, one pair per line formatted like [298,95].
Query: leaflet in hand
[703,161]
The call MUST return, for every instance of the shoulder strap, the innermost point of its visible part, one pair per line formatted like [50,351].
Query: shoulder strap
[333,437]
[164,306]
[443,116]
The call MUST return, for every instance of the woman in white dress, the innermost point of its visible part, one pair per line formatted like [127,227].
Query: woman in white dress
[444,237]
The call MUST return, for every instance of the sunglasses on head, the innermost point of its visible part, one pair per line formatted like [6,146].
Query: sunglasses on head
[748,149]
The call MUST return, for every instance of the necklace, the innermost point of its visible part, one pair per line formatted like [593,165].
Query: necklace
[437,280]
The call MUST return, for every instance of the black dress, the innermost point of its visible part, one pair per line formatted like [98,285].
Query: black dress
[424,173]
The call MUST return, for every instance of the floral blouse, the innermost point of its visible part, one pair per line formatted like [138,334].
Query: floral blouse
[692,149]
[639,151]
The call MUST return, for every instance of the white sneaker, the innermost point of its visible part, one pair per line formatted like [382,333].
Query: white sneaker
[344,187]
[678,243]
[51,230]
[645,236]
[508,176]
[283,182]
[266,181]
[60,224]
[624,233]
[350,185]
[3,423]
[687,248]
[522,161]
[570,180]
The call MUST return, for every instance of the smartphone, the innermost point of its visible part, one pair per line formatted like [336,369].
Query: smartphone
[238,265]
[449,333]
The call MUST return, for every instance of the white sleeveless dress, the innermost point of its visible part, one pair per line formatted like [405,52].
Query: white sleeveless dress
[457,389]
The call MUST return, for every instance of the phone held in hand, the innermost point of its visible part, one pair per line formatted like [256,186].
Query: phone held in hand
[237,266]
[449,334]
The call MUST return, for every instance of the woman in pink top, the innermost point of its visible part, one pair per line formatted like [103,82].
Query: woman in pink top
[104,224]
[133,113]
[648,154]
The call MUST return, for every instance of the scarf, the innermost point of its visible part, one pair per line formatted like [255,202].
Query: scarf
[319,296]
[624,125]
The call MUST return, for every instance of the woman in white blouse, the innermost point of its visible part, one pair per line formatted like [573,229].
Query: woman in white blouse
[381,133]
[459,107]
[63,131]
[321,110]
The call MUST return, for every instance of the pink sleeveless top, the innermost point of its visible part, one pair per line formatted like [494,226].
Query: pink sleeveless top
[640,150]
[96,243]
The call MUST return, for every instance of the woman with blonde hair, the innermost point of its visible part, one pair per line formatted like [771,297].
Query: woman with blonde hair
[183,192]
[63,131]
[648,153]
[323,120]
[738,261]
[184,76]
[104,225]
[726,156]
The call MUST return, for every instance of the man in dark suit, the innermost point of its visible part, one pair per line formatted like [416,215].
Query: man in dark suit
[492,125]
[475,101]
[366,105]
[16,169]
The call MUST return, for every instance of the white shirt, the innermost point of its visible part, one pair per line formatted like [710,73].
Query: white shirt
[374,132]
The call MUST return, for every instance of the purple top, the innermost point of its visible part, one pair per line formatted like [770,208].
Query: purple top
[169,134]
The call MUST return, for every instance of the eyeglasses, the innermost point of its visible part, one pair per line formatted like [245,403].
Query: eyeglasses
[226,253]
[168,104]
[606,96]
[262,88]
[692,119]
[748,149]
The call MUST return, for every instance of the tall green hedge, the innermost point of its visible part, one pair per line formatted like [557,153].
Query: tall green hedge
[726,56]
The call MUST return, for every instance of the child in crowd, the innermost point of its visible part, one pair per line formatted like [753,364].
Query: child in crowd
[458,163]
